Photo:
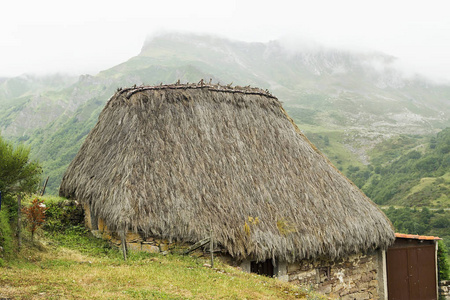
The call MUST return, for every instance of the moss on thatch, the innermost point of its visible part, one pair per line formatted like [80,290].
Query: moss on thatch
[176,161]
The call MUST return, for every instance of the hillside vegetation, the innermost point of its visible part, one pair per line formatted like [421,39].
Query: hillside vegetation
[421,221]
[403,171]
[409,176]
[356,100]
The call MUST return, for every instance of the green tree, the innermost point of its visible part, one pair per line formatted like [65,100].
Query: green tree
[18,174]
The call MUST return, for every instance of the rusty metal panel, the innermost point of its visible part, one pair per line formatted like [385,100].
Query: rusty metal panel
[411,273]
[397,274]
[427,272]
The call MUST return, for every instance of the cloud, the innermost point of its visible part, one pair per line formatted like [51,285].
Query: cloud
[87,36]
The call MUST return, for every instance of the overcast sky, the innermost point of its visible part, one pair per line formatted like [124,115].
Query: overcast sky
[86,36]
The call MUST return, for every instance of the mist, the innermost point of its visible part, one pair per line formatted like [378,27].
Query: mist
[84,37]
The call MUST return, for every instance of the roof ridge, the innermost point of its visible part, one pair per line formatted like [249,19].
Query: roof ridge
[200,85]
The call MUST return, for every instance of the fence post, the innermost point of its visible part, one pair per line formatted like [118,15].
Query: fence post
[123,239]
[19,204]
[211,249]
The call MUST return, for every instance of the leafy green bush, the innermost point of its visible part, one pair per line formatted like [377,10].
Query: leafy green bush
[62,216]
[18,174]
[443,264]
[6,235]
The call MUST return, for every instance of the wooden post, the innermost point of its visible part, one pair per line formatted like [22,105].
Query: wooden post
[196,246]
[45,185]
[19,204]
[123,240]
[211,249]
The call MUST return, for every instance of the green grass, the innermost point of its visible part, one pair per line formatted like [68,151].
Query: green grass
[434,188]
[59,271]
[69,263]
[329,142]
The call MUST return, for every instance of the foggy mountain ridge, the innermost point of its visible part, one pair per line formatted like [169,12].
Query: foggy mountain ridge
[314,59]
[361,95]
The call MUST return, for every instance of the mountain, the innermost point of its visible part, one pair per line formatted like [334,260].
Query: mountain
[345,102]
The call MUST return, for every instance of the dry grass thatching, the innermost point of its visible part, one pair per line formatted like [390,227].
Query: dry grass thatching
[175,161]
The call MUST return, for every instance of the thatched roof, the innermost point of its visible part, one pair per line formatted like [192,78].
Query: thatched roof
[176,161]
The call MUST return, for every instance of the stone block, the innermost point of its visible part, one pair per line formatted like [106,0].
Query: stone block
[164,247]
[106,235]
[293,267]
[364,260]
[150,248]
[134,246]
[131,236]
[363,286]
[115,241]
[339,287]
[366,277]
[102,225]
[356,296]
[325,288]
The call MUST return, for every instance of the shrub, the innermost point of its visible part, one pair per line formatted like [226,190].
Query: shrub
[35,215]
[62,215]
[443,265]
[6,236]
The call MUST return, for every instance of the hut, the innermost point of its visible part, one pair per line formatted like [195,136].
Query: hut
[180,162]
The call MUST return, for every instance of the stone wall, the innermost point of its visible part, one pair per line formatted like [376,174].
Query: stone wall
[135,242]
[444,289]
[355,277]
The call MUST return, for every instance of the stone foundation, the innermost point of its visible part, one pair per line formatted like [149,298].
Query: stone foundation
[135,242]
[355,277]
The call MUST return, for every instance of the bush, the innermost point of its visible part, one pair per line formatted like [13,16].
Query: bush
[63,215]
[18,173]
[443,265]
[6,235]
[35,215]
[441,222]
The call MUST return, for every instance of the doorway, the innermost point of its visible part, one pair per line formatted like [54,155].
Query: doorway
[262,268]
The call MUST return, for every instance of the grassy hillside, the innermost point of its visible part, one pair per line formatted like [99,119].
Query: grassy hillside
[67,262]
[56,272]
[408,171]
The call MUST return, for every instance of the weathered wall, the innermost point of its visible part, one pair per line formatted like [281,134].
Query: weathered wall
[135,241]
[87,216]
[355,277]
[444,289]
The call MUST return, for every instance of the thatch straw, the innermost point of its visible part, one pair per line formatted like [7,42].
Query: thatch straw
[171,161]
